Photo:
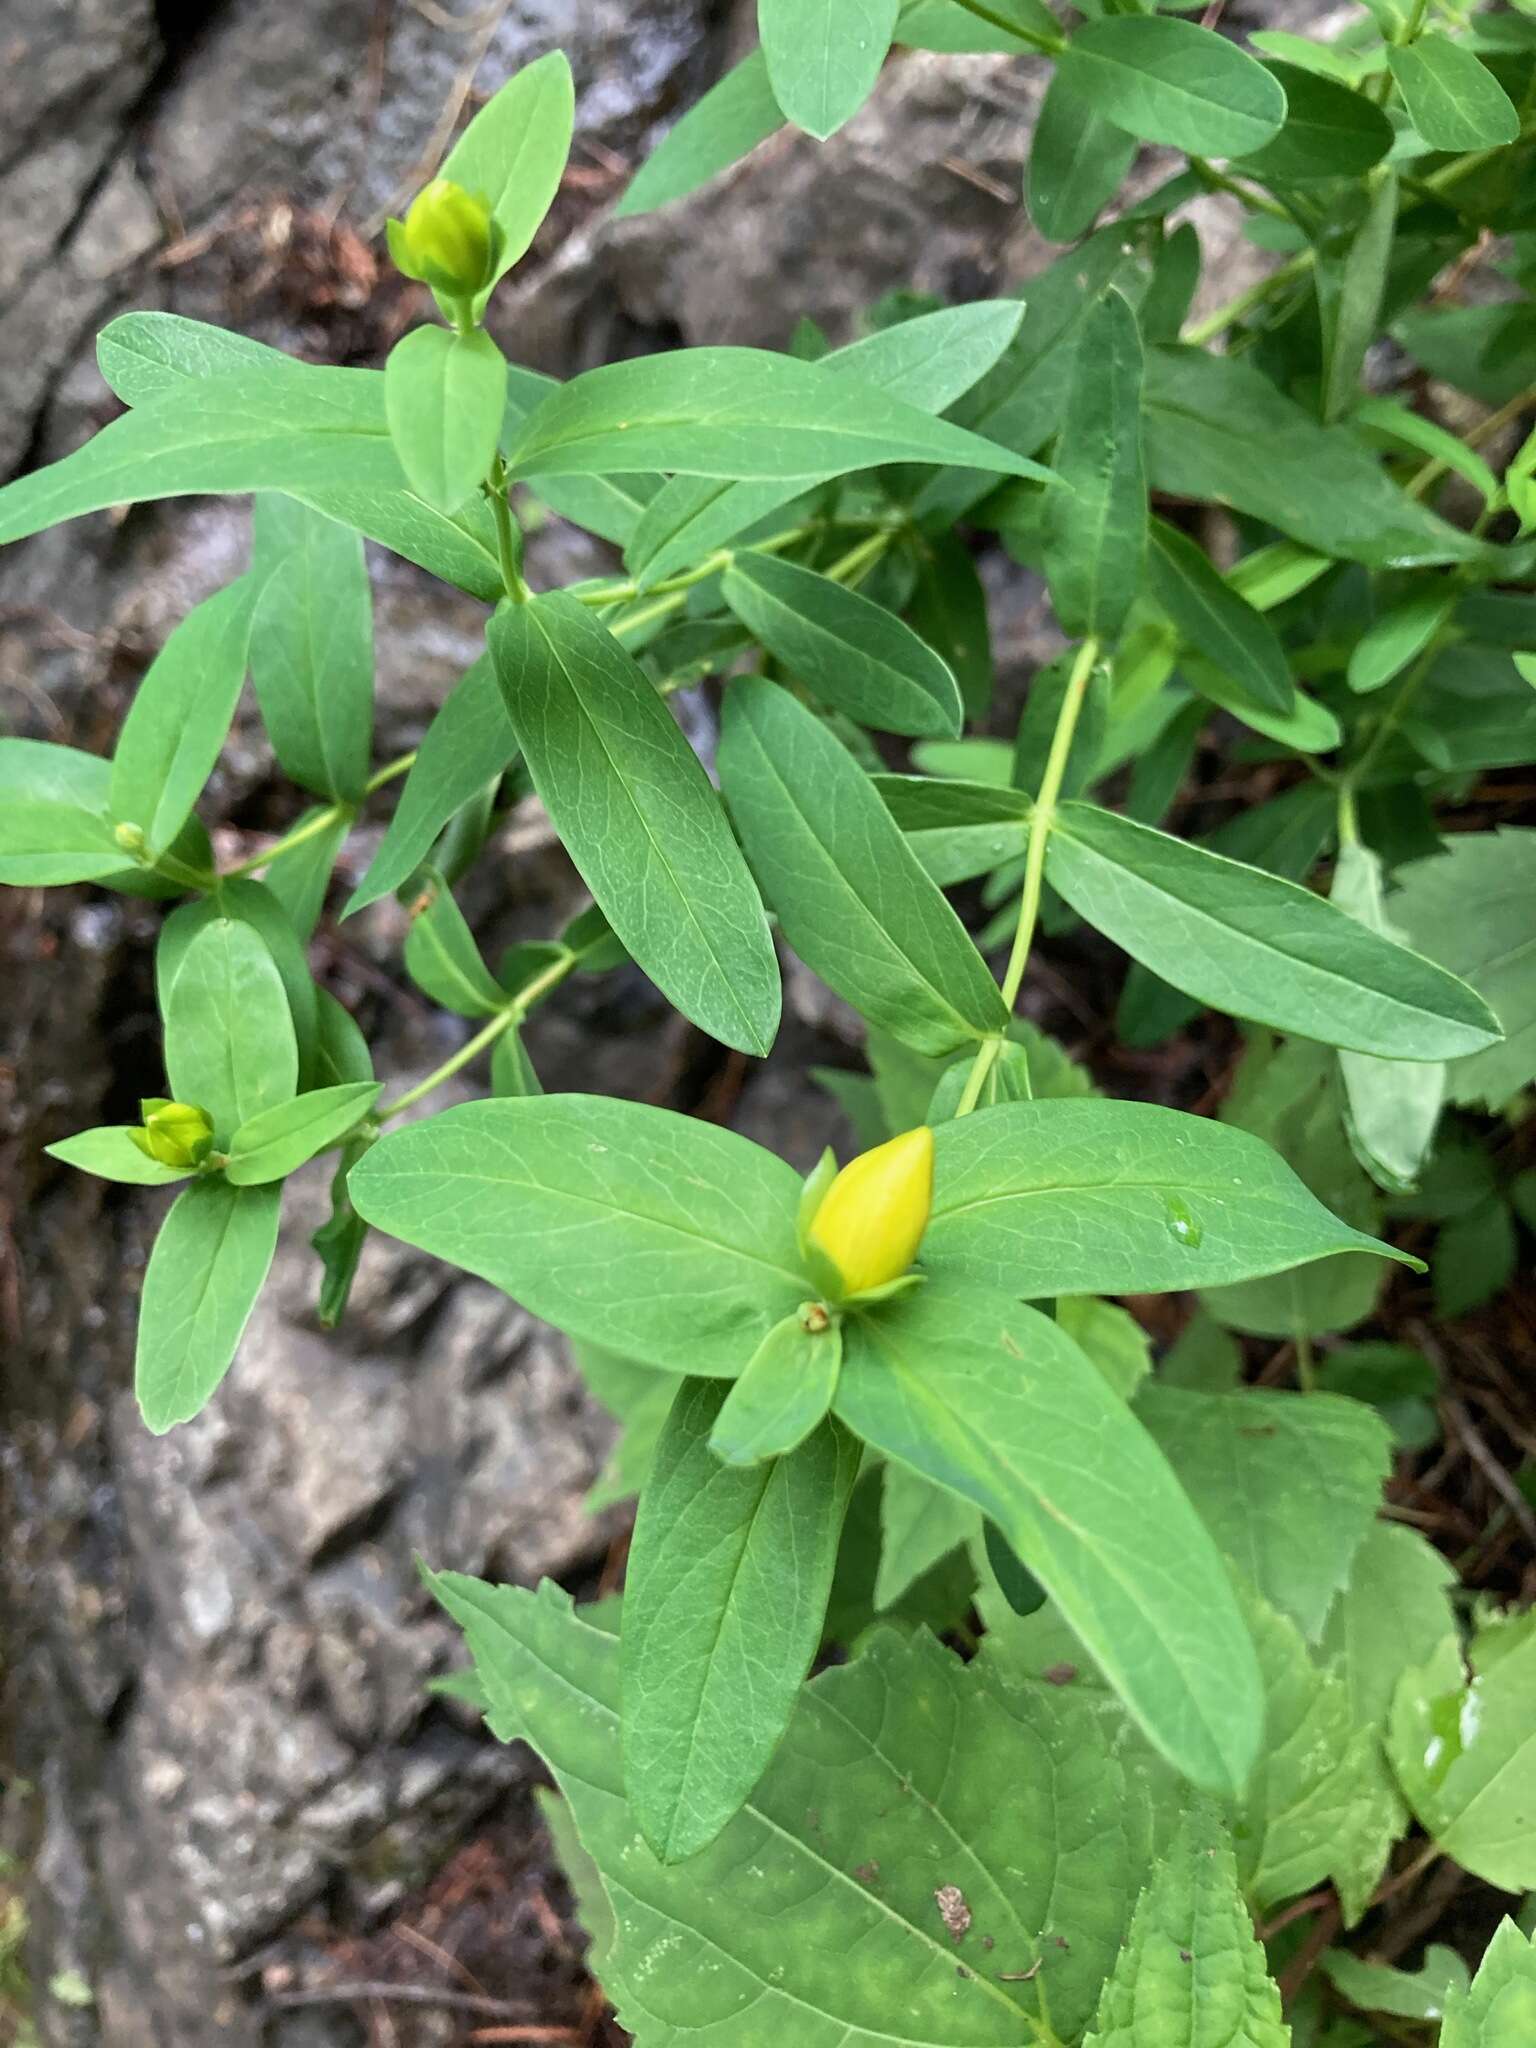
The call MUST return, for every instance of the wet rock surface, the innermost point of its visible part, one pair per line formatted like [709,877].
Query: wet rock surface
[225,1761]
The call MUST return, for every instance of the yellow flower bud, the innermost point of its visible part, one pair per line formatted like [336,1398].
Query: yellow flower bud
[174,1133]
[872,1218]
[447,240]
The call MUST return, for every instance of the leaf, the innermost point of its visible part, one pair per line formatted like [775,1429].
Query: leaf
[1109,1337]
[850,895]
[311,647]
[824,56]
[259,429]
[1473,908]
[1422,1994]
[1096,534]
[514,152]
[180,716]
[664,1240]
[740,413]
[1216,427]
[939,25]
[469,741]
[278,1141]
[300,880]
[1214,619]
[1394,1612]
[1171,82]
[994,1402]
[958,830]
[1258,947]
[229,1039]
[731,119]
[441,956]
[724,1599]
[1452,98]
[1393,1106]
[54,821]
[928,362]
[1076,163]
[204,1274]
[842,1946]
[110,1152]
[1354,250]
[1464,1751]
[147,355]
[948,606]
[1329,131]
[639,1399]
[638,817]
[1191,1974]
[253,904]
[1501,2005]
[1288,1484]
[850,652]
[444,394]
[1087,1197]
[782,1395]
[1396,636]
[920,1524]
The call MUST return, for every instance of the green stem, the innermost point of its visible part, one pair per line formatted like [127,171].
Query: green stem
[1306,1363]
[1354,776]
[1423,479]
[506,543]
[311,828]
[1041,822]
[1048,46]
[1349,816]
[1218,181]
[503,1021]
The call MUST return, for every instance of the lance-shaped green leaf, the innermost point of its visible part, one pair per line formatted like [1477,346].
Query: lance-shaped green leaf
[637,815]
[1171,82]
[664,1240]
[55,824]
[255,430]
[1329,131]
[444,394]
[110,1152]
[724,1601]
[995,1402]
[441,956]
[782,1395]
[732,118]
[180,716]
[1392,1106]
[279,1140]
[1354,250]
[469,741]
[1398,635]
[1258,947]
[229,1039]
[824,56]
[1076,162]
[1237,1456]
[1422,1994]
[1192,1974]
[1500,2007]
[958,830]
[948,607]
[514,153]
[1452,98]
[734,412]
[204,1274]
[311,646]
[1096,529]
[1210,615]
[850,652]
[851,896]
[143,356]
[253,904]
[927,362]
[1088,1197]
[839,1943]
[1464,1750]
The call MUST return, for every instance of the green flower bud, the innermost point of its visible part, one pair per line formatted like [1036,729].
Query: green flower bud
[130,838]
[174,1133]
[871,1220]
[447,240]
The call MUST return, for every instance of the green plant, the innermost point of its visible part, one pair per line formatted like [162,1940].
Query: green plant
[1210,1680]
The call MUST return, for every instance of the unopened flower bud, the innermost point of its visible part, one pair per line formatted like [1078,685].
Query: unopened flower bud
[174,1133]
[447,239]
[872,1218]
[130,838]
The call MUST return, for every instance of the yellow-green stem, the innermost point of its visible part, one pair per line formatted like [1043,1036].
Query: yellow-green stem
[311,828]
[483,1039]
[1048,46]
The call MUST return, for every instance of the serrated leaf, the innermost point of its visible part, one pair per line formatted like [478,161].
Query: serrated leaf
[1394,1612]
[204,1274]
[659,1238]
[724,1600]
[996,1403]
[1191,1974]
[1288,1484]
[1088,1197]
[1500,2007]
[229,1038]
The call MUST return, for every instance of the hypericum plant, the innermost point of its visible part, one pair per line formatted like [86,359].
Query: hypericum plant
[1210,1680]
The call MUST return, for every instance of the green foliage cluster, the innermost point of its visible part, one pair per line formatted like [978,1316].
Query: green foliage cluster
[1210,1677]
